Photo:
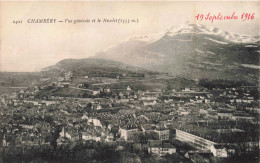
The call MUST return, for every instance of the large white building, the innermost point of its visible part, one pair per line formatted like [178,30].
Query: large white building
[231,137]
[196,141]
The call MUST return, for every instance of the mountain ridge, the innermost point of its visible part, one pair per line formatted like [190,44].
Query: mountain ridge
[199,29]
[190,50]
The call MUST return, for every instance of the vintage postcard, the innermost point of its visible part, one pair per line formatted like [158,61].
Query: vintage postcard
[126,81]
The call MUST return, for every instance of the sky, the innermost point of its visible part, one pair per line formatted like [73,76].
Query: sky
[31,47]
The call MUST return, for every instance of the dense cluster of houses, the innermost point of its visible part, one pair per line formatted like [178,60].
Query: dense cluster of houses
[124,114]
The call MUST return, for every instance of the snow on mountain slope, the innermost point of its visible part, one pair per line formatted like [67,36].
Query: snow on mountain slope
[193,50]
[251,66]
[197,29]
[220,42]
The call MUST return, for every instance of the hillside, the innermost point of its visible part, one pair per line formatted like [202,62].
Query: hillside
[92,67]
[103,73]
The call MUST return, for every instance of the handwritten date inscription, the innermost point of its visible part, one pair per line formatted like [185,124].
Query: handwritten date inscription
[212,17]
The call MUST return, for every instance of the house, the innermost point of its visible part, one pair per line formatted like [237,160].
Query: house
[47,103]
[96,92]
[26,139]
[198,101]
[96,122]
[198,155]
[202,97]
[109,127]
[4,141]
[127,132]
[129,88]
[225,114]
[90,136]
[99,106]
[148,98]
[109,137]
[149,102]
[219,150]
[160,148]
[163,133]
[27,125]
[38,141]
[168,101]
[238,100]
[21,96]
[108,90]
[81,85]
[186,90]
[43,126]
[60,79]
[184,113]
[31,97]
[65,84]
[122,100]
[68,75]
[70,134]
[84,116]
[241,115]
[62,140]
[203,111]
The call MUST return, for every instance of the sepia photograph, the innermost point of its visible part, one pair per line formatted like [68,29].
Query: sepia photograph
[129,81]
